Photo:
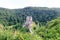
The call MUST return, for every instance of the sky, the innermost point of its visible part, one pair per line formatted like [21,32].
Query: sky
[13,4]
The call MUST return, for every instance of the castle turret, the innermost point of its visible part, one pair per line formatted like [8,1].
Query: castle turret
[28,23]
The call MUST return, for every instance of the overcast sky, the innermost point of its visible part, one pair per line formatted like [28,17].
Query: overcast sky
[25,3]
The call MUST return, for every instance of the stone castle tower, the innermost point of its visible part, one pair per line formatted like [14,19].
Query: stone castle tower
[28,23]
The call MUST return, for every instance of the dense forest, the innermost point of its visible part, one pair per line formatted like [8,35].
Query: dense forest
[11,21]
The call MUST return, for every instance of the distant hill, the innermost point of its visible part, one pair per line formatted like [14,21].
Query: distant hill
[40,14]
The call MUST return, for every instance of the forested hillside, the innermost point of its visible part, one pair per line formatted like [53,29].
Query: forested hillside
[12,20]
[40,14]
